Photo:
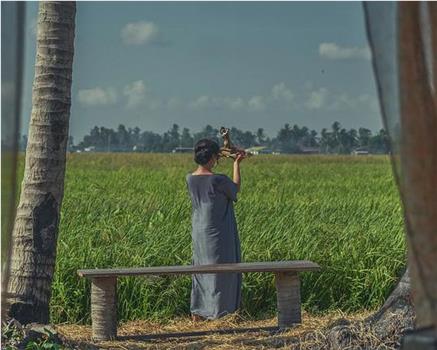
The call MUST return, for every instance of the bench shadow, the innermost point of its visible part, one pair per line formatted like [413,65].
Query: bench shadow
[197,334]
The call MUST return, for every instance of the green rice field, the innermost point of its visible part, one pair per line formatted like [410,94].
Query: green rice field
[131,210]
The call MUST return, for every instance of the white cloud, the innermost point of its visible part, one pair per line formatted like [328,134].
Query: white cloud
[256,103]
[205,102]
[234,103]
[201,102]
[317,99]
[174,103]
[313,98]
[322,98]
[280,92]
[97,96]
[138,95]
[135,93]
[346,102]
[335,52]
[343,101]
[139,33]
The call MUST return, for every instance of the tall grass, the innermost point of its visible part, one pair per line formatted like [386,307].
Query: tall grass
[133,210]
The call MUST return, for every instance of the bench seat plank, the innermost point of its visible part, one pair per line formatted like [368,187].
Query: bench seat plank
[274,266]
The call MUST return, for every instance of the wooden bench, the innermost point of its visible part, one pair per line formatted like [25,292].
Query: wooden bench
[104,285]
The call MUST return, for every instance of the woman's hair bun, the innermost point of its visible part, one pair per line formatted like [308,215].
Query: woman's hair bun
[204,150]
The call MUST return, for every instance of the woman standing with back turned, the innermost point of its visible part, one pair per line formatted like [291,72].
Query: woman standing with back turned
[214,233]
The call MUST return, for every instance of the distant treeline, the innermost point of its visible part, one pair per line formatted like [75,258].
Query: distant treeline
[289,139]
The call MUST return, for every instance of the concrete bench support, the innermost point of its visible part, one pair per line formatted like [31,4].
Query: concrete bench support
[104,308]
[288,299]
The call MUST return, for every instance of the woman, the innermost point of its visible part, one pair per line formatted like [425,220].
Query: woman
[214,233]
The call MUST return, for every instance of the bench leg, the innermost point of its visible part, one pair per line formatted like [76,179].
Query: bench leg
[104,308]
[288,299]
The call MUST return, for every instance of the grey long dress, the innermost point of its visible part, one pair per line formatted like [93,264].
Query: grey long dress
[215,241]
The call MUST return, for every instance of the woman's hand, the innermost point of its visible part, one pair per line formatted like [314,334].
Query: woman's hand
[240,156]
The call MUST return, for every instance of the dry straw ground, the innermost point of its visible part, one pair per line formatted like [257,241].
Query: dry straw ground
[312,334]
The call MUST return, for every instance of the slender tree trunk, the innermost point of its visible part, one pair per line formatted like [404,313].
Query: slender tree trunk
[36,225]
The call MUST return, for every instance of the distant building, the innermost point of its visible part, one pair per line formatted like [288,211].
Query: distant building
[259,150]
[360,152]
[183,150]
[310,150]
[138,148]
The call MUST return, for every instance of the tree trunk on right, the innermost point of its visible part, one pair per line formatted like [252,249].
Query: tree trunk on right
[416,61]
[418,153]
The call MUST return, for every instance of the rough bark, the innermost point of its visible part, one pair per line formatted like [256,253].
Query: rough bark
[35,231]
[418,158]
[417,183]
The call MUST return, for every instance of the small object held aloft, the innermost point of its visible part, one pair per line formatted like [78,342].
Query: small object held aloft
[228,150]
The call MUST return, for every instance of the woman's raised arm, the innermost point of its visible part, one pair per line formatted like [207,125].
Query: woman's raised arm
[237,175]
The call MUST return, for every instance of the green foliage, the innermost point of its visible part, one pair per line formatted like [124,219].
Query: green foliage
[13,339]
[131,210]
[289,139]
[11,336]
[45,344]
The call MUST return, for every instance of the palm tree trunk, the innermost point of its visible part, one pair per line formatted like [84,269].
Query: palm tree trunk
[413,303]
[418,158]
[35,231]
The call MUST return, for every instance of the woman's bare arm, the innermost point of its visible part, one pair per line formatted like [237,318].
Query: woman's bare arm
[237,175]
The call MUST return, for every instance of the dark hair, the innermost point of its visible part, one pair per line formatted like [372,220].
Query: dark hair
[204,150]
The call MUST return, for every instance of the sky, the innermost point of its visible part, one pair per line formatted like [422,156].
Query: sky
[245,64]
